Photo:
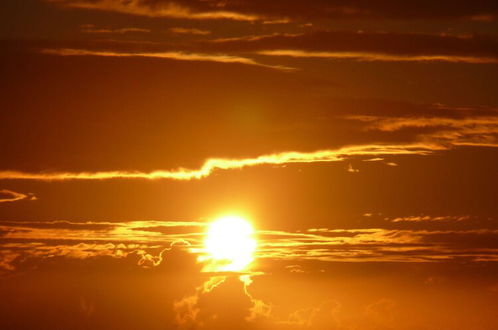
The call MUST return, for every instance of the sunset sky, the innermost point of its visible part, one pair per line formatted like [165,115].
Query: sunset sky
[248,164]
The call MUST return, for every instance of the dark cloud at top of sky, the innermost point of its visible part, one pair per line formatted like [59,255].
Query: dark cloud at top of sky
[367,9]
[260,9]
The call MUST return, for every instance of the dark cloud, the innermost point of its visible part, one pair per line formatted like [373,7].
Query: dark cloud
[296,9]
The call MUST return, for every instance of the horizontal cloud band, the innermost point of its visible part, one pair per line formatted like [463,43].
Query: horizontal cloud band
[380,57]
[225,164]
[173,55]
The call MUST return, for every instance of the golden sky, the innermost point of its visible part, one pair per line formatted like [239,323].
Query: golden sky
[248,164]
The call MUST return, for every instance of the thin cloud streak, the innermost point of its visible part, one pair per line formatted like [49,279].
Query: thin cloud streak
[424,218]
[165,9]
[90,28]
[180,30]
[322,156]
[379,57]
[390,124]
[180,56]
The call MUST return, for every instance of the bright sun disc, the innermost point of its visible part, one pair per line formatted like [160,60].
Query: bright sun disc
[230,243]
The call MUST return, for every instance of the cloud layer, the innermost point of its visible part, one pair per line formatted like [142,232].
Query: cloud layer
[226,164]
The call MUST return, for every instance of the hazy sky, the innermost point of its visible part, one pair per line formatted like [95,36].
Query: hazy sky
[359,138]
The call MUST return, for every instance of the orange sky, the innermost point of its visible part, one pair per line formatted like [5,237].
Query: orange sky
[359,138]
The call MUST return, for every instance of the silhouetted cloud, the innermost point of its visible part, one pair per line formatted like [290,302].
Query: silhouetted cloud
[250,10]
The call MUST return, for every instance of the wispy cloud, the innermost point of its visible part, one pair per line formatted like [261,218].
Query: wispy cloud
[213,164]
[13,196]
[158,9]
[173,55]
[464,129]
[377,244]
[180,30]
[129,232]
[367,46]
[396,123]
[250,10]
[380,57]
[91,28]
[149,238]
[423,218]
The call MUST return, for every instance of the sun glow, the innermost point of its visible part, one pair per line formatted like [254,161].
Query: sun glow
[230,244]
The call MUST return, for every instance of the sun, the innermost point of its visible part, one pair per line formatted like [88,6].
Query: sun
[230,244]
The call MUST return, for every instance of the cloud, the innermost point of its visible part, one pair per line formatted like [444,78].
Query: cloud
[165,269]
[323,316]
[389,124]
[379,57]
[12,196]
[45,290]
[422,218]
[376,244]
[213,164]
[90,28]
[172,55]
[113,292]
[180,30]
[151,243]
[131,232]
[222,302]
[172,9]
[82,240]
[251,10]
[352,170]
[367,46]
[450,128]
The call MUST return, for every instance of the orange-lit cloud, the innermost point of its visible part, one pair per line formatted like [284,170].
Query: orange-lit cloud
[187,309]
[422,218]
[193,311]
[379,57]
[227,164]
[376,244]
[180,30]
[482,123]
[131,232]
[155,9]
[90,28]
[150,239]
[365,46]
[13,196]
[249,10]
[468,130]
[180,56]
[322,316]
